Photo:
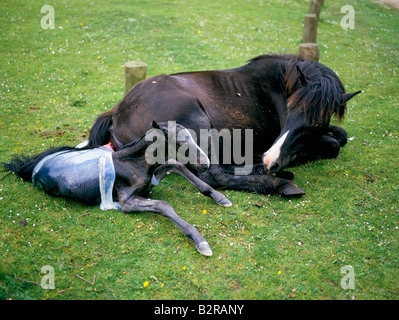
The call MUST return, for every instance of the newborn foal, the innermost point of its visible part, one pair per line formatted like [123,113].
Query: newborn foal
[97,175]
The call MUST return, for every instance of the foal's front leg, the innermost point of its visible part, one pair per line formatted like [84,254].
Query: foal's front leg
[176,167]
[139,204]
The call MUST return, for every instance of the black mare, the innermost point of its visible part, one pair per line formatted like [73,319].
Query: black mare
[287,102]
[94,175]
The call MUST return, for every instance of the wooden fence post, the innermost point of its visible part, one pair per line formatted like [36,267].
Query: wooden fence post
[135,71]
[309,51]
[315,7]
[310,28]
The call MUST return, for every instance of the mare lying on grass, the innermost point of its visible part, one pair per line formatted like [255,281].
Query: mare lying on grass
[95,175]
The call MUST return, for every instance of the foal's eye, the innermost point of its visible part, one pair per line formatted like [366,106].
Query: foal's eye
[183,139]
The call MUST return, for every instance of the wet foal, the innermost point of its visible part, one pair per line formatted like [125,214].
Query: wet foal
[94,175]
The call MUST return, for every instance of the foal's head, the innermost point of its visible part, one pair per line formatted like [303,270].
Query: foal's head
[178,143]
[314,93]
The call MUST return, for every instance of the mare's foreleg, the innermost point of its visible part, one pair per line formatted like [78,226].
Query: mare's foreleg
[326,147]
[176,167]
[262,184]
[139,204]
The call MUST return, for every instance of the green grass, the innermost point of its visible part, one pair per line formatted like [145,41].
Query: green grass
[54,83]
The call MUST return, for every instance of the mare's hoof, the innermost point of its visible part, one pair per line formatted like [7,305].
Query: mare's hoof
[291,190]
[224,202]
[204,249]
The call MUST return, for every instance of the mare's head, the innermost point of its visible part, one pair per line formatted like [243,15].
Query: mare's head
[313,93]
[181,145]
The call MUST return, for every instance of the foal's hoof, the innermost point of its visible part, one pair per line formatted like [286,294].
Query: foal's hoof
[204,249]
[291,190]
[224,202]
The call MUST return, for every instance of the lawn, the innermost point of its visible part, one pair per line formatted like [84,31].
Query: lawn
[55,82]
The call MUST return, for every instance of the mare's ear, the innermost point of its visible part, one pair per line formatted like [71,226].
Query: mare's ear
[347,96]
[155,125]
[301,76]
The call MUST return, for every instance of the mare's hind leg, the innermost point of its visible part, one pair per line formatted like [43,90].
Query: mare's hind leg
[139,204]
[176,167]
[263,184]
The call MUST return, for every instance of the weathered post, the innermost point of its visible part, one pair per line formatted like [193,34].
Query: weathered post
[309,51]
[315,7]
[135,71]
[310,28]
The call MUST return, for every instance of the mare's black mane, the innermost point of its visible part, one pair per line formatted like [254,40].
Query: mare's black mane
[319,97]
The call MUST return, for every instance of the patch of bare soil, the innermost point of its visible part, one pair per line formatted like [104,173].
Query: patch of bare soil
[392,3]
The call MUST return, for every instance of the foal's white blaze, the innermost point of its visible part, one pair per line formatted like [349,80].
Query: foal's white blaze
[203,158]
[271,155]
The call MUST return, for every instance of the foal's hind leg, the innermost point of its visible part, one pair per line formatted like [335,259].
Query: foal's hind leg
[106,182]
[139,204]
[176,167]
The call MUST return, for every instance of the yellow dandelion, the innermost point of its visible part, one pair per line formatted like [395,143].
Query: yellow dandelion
[184,268]
[204,211]
[145,284]
[162,285]
[199,31]
[279,272]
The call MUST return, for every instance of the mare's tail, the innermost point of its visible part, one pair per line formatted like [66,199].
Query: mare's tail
[100,133]
[23,166]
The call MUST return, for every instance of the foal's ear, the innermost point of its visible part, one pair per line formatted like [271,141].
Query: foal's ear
[155,125]
[301,76]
